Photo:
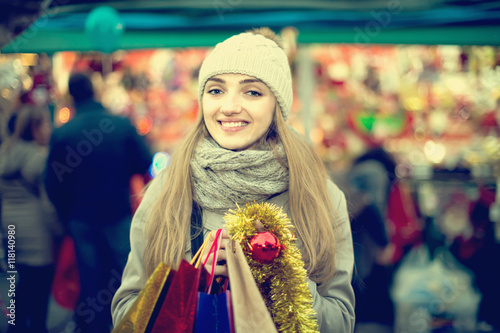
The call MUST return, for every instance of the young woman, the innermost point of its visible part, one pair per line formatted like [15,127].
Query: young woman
[240,150]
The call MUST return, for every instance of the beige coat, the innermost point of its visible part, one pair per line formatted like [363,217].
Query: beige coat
[333,300]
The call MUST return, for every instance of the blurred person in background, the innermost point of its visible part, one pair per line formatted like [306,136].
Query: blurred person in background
[91,161]
[27,210]
[370,180]
[4,112]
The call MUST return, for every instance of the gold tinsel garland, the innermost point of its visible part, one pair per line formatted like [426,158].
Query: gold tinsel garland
[282,282]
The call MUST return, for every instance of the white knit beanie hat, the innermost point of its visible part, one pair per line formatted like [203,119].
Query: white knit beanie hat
[254,55]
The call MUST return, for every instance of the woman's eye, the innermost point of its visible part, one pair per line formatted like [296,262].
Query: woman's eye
[254,93]
[215,91]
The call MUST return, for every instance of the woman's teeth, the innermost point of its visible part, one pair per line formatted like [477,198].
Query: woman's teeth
[234,124]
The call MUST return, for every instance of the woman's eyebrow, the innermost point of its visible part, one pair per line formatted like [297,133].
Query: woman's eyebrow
[250,81]
[216,79]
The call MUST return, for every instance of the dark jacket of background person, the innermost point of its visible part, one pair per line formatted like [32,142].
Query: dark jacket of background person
[91,161]
[367,186]
[368,189]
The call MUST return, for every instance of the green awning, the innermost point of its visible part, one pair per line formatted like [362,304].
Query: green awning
[163,26]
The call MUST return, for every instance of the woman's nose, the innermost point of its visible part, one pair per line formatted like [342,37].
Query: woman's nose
[231,105]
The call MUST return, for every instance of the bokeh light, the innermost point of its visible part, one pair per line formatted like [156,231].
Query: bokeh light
[144,125]
[64,115]
[160,161]
[435,152]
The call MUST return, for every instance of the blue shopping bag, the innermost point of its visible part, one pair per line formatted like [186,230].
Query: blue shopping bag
[213,315]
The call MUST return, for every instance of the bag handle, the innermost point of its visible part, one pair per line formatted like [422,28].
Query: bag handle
[196,260]
[215,247]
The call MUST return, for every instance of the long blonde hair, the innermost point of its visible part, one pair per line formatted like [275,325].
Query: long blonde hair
[168,222]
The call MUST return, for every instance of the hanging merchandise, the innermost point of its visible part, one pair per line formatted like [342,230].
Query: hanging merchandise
[437,100]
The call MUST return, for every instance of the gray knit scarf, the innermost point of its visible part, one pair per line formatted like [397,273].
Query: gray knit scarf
[223,178]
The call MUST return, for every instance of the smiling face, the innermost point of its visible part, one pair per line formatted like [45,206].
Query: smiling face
[238,110]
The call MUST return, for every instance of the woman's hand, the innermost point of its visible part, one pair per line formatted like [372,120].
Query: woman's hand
[220,267]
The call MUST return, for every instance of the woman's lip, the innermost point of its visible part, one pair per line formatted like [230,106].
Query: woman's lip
[232,120]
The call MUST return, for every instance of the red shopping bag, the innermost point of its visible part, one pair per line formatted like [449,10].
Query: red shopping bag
[178,310]
[66,283]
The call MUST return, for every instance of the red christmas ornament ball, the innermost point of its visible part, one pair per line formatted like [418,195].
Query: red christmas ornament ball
[265,247]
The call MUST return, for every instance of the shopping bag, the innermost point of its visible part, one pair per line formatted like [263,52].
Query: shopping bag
[66,282]
[249,311]
[230,311]
[169,301]
[178,310]
[213,314]
[143,314]
[143,310]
